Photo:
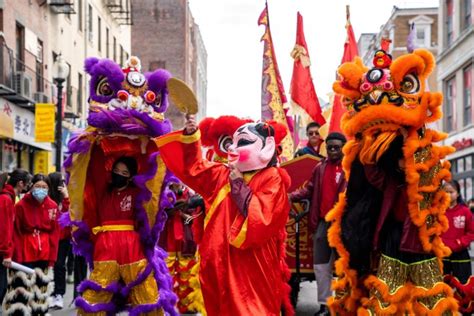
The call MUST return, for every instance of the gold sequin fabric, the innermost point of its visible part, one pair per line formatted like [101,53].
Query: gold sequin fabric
[108,272]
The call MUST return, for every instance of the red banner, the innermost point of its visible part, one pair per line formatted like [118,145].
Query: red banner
[300,171]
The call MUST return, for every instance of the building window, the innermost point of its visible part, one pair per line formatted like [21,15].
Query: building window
[79,94]
[449,22]
[107,42]
[90,24]
[462,171]
[39,68]
[79,15]
[450,103]
[466,14]
[157,64]
[99,33]
[420,36]
[20,47]
[1,24]
[121,56]
[115,49]
[467,88]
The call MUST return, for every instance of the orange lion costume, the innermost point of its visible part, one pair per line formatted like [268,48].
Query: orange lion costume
[386,227]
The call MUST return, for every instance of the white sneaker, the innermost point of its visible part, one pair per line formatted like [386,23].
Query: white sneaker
[70,279]
[59,302]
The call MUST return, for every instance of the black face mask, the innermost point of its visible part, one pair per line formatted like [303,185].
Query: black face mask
[119,181]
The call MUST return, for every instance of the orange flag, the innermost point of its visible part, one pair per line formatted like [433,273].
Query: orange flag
[273,93]
[304,99]
[350,51]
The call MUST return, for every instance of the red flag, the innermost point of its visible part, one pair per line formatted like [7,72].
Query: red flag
[273,93]
[350,52]
[303,95]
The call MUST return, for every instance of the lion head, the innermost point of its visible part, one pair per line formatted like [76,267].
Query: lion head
[388,99]
[125,100]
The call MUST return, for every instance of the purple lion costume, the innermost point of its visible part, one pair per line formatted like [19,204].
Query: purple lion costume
[125,117]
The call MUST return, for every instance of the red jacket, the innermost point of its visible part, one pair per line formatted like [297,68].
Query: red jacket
[312,190]
[7,198]
[36,232]
[461,228]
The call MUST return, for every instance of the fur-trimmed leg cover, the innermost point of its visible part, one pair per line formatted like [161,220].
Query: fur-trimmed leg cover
[19,294]
[28,294]
[408,289]
[42,290]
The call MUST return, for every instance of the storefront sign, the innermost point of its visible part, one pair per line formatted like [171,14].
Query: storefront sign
[463,143]
[42,162]
[18,124]
[44,122]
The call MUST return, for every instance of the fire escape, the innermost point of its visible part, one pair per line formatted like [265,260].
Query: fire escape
[121,11]
[62,6]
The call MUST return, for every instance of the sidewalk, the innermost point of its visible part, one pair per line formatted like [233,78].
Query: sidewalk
[307,305]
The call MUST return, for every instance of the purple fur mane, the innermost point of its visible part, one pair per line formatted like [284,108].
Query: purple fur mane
[157,83]
[103,68]
[129,122]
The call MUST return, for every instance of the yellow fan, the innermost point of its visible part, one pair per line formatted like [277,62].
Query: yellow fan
[182,96]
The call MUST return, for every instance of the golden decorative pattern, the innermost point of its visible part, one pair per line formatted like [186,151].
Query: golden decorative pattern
[393,273]
[135,91]
[423,154]
[145,292]
[426,178]
[104,273]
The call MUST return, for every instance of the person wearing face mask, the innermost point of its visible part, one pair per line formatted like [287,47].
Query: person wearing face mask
[35,238]
[242,269]
[118,251]
[323,189]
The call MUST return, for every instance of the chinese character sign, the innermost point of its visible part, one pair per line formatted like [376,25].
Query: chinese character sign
[44,122]
[42,161]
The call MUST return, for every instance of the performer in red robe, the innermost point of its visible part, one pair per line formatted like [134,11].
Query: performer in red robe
[242,269]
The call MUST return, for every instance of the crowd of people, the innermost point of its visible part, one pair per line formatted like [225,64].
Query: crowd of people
[31,236]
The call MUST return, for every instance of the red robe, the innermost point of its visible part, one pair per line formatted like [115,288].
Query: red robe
[242,268]
[7,198]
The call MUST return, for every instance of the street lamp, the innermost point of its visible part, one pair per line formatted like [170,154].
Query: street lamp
[60,74]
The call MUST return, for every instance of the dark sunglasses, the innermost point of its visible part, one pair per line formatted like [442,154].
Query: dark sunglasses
[333,147]
[313,133]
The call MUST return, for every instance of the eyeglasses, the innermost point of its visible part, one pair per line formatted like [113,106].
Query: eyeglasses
[333,147]
[313,133]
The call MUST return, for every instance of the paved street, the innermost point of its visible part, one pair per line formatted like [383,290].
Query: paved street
[306,303]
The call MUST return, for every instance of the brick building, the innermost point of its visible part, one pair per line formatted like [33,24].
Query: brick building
[397,29]
[176,45]
[455,79]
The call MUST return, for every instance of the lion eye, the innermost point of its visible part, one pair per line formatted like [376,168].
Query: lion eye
[410,84]
[103,88]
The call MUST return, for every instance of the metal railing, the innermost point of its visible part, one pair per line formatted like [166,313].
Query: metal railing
[26,86]
[21,83]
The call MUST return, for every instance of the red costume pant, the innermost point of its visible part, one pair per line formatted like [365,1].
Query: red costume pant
[118,255]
